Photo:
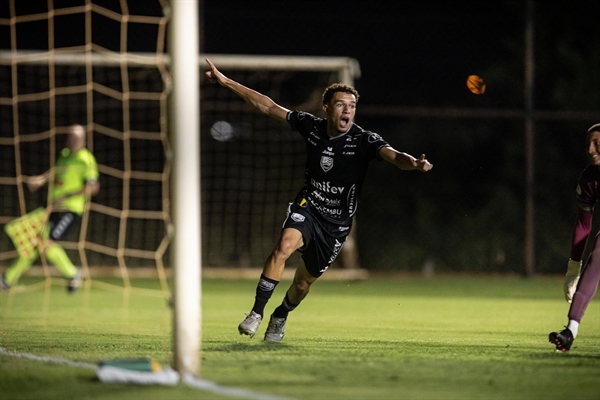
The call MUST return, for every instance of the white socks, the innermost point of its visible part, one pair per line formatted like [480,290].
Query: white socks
[573,326]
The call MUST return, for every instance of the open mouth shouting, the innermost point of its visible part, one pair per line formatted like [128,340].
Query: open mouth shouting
[344,122]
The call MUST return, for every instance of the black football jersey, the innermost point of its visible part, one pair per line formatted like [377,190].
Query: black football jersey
[335,167]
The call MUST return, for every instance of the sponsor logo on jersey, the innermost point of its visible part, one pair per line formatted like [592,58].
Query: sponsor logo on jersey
[330,202]
[297,217]
[348,153]
[312,142]
[327,187]
[373,137]
[329,151]
[352,200]
[334,213]
[326,163]
[343,228]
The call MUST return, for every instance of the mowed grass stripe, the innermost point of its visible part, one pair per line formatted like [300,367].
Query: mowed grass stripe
[411,338]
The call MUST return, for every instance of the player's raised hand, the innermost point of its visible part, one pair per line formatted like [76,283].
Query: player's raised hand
[214,75]
[423,165]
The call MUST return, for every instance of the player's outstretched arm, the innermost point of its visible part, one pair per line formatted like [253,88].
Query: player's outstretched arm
[257,100]
[405,161]
[35,182]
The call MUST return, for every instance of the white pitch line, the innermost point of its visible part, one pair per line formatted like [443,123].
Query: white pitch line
[188,380]
[227,391]
[55,360]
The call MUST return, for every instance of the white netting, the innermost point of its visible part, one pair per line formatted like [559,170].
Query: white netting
[89,75]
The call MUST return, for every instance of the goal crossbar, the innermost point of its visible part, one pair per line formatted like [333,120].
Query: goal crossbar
[348,68]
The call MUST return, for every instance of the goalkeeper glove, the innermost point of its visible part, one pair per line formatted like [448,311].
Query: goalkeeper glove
[571,279]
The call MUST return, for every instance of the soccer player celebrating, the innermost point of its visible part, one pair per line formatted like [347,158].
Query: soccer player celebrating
[580,287]
[75,178]
[319,220]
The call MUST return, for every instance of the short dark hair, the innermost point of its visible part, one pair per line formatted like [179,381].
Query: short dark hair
[338,87]
[594,128]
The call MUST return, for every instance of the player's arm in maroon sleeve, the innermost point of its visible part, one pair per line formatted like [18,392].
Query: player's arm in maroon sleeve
[581,233]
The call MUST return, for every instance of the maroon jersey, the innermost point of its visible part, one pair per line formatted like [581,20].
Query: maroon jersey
[335,167]
[587,187]
[587,195]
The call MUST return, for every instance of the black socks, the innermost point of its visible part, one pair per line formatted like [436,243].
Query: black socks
[283,310]
[264,290]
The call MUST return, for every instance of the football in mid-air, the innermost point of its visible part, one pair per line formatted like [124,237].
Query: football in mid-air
[475,84]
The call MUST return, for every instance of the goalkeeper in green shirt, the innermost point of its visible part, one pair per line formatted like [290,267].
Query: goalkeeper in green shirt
[75,180]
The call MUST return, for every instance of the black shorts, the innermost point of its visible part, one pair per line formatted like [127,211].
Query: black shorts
[320,248]
[61,223]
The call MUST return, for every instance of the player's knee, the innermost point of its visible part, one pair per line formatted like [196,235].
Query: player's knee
[302,286]
[280,255]
[283,250]
[303,280]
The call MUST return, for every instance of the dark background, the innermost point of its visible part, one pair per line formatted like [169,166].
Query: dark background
[468,213]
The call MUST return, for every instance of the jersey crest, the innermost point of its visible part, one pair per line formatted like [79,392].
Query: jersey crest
[326,163]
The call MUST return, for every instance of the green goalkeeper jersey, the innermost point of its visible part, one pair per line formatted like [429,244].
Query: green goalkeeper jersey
[73,170]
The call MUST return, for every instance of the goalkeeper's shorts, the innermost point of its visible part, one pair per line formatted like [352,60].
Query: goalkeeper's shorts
[61,223]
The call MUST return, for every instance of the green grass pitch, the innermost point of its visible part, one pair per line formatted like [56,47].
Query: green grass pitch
[401,338]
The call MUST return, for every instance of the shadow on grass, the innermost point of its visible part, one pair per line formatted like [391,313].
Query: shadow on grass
[247,347]
[571,355]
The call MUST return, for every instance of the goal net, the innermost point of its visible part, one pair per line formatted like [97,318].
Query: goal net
[251,166]
[121,99]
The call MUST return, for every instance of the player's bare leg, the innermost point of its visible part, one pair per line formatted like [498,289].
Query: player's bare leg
[300,286]
[289,241]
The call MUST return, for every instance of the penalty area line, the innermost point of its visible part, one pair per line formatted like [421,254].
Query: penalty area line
[187,380]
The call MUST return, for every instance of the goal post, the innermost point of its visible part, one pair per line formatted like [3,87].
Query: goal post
[184,122]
